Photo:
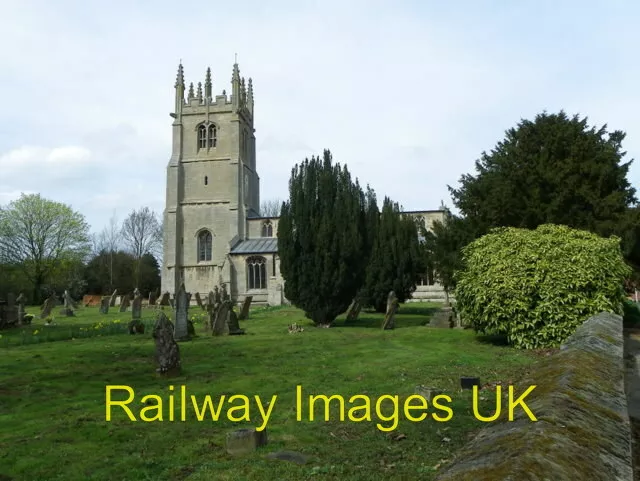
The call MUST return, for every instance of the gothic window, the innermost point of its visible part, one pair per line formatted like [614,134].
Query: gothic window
[267,229]
[206,180]
[257,272]
[213,132]
[205,241]
[202,137]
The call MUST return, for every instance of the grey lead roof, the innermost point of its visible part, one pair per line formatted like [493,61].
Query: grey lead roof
[263,245]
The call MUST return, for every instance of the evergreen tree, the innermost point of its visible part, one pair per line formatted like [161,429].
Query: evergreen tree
[554,169]
[395,262]
[321,239]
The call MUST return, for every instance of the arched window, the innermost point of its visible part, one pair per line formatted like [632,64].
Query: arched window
[206,180]
[257,272]
[267,229]
[202,137]
[205,240]
[213,132]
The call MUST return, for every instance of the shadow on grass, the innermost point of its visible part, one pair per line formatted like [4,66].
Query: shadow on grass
[407,316]
[493,339]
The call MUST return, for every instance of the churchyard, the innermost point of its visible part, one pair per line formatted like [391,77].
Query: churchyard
[53,382]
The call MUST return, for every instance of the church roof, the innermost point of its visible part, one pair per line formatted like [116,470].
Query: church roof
[263,245]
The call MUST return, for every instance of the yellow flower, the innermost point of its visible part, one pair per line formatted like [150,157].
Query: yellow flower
[35,332]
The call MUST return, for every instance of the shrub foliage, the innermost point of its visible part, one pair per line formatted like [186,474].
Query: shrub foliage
[537,286]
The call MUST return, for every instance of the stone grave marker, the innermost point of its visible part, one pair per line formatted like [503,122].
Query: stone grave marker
[112,300]
[167,350]
[392,307]
[164,300]
[152,298]
[354,310]
[220,326]
[233,326]
[244,312]
[136,306]
[104,305]
[182,315]
[199,301]
[21,301]
[49,304]
[245,441]
[68,304]
[125,302]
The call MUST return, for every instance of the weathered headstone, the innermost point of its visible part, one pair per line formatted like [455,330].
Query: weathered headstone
[244,312]
[220,325]
[354,310]
[136,326]
[104,305]
[182,315]
[49,304]
[152,298]
[224,294]
[245,441]
[232,322]
[136,306]
[392,307]
[427,392]
[216,295]
[211,313]
[21,300]
[112,300]
[167,350]
[68,304]
[125,302]
[164,300]
[199,301]
[443,318]
[10,315]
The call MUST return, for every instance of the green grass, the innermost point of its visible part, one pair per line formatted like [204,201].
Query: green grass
[52,397]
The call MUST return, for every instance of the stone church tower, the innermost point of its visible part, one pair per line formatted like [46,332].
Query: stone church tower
[212,183]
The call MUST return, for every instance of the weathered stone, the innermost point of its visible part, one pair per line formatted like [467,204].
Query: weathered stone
[69,305]
[392,307]
[21,301]
[104,305]
[182,315]
[245,441]
[112,300]
[136,326]
[167,350]
[199,301]
[232,322]
[354,310]
[224,294]
[291,456]
[583,429]
[442,318]
[164,300]
[125,302]
[49,304]
[427,392]
[136,306]
[152,298]
[220,325]
[244,312]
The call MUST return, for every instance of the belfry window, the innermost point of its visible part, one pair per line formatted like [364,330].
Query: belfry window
[267,229]
[205,241]
[202,137]
[256,272]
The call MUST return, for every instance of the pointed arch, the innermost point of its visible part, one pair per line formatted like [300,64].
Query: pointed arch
[202,137]
[205,245]
[212,135]
[256,272]
[267,229]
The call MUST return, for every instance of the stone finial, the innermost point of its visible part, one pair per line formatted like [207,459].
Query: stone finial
[180,77]
[199,91]
[250,91]
[243,91]
[207,84]
[191,94]
[235,77]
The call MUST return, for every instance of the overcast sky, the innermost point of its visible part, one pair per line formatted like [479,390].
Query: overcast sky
[407,94]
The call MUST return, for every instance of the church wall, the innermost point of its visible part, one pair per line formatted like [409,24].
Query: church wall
[213,217]
[220,181]
[260,296]
[255,227]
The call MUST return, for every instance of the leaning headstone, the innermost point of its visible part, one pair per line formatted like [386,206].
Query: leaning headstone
[21,300]
[199,301]
[167,350]
[104,305]
[136,306]
[244,312]
[49,304]
[220,325]
[182,315]
[354,310]
[152,298]
[232,322]
[112,301]
[392,307]
[125,302]
[245,441]
[68,305]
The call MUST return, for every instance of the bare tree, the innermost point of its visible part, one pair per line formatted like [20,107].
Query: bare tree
[142,234]
[108,240]
[271,208]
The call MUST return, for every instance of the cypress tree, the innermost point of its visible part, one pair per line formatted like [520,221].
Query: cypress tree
[395,258]
[321,239]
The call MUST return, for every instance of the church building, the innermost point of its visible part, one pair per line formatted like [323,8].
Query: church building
[213,231]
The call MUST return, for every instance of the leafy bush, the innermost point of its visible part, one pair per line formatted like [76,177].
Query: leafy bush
[537,286]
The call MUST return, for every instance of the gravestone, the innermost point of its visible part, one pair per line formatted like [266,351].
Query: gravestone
[220,325]
[112,300]
[354,310]
[224,294]
[11,315]
[245,441]
[182,315]
[427,392]
[125,302]
[167,350]
[199,301]
[136,326]
[443,318]
[104,305]
[392,307]
[232,322]
[211,313]
[244,312]
[21,300]
[216,295]
[164,300]
[152,298]
[68,305]
[136,306]
[49,304]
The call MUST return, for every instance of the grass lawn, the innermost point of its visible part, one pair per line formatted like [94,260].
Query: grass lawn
[52,397]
